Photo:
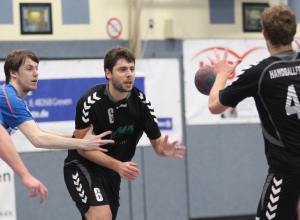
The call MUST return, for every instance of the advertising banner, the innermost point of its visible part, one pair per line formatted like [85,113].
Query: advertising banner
[195,53]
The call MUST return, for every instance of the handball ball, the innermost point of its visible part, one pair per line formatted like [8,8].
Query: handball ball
[205,79]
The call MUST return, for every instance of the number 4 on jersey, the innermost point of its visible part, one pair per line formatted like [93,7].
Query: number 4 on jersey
[292,96]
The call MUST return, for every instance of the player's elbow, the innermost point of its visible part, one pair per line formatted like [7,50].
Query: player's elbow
[212,109]
[215,109]
[37,143]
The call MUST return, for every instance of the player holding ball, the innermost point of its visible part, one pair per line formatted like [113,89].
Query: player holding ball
[274,83]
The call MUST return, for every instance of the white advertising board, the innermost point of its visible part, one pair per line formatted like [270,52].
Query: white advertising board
[195,53]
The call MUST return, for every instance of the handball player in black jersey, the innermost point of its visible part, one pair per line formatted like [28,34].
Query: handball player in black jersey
[274,83]
[93,178]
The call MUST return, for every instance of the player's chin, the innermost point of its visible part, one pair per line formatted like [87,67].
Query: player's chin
[128,87]
[33,88]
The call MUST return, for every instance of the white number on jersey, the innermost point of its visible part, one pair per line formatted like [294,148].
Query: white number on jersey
[292,96]
[98,194]
[110,112]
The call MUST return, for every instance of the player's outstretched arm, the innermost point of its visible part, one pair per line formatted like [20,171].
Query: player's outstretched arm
[41,139]
[67,135]
[222,69]
[164,147]
[9,154]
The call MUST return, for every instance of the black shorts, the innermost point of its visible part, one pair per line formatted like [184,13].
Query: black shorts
[91,188]
[279,198]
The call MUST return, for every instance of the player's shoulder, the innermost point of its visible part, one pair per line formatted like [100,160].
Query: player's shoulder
[9,96]
[138,94]
[94,91]
[139,104]
[9,91]
[254,70]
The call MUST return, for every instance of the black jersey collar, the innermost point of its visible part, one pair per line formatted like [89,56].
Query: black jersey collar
[288,55]
[106,92]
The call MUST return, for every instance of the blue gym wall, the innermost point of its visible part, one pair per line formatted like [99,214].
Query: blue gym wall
[222,174]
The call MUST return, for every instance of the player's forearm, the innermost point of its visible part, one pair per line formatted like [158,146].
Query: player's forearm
[51,141]
[157,145]
[215,106]
[101,159]
[41,139]
[9,154]
[67,135]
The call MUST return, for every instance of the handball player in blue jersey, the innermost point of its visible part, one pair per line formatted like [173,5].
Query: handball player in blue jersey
[21,73]
[9,154]
[274,83]
[93,177]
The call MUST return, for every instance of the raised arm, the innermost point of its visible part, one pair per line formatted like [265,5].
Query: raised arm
[9,154]
[41,139]
[222,69]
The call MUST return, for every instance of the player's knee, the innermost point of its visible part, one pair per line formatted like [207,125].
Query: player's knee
[98,213]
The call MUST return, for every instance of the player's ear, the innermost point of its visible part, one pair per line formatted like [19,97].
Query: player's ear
[265,35]
[12,73]
[107,73]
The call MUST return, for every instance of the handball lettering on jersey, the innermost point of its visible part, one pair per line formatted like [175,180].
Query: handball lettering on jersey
[204,79]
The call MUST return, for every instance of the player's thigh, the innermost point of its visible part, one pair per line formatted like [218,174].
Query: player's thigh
[98,213]
[85,188]
[279,198]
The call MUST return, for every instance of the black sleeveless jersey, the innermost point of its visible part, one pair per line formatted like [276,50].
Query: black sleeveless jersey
[274,83]
[127,119]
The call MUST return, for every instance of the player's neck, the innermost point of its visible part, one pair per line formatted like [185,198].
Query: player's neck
[21,93]
[279,49]
[117,95]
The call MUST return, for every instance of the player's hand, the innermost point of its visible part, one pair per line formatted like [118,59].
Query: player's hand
[171,149]
[35,187]
[93,142]
[221,65]
[128,170]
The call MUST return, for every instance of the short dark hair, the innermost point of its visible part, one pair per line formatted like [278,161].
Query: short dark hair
[15,59]
[116,53]
[280,24]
